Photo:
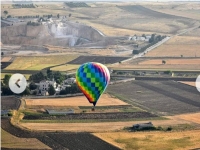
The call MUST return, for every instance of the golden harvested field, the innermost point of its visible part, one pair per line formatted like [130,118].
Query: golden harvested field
[42,9]
[105,100]
[189,10]
[153,140]
[10,141]
[114,31]
[157,67]
[171,62]
[188,83]
[97,127]
[194,117]
[66,67]
[177,46]
[39,62]
[6,59]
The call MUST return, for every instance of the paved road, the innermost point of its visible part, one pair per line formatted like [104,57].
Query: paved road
[161,42]
[186,30]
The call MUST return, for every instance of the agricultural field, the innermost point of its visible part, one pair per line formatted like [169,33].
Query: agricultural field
[53,140]
[83,141]
[171,62]
[80,104]
[39,62]
[189,10]
[9,141]
[105,40]
[6,59]
[178,46]
[194,117]
[5,64]
[112,18]
[41,9]
[66,67]
[98,126]
[9,102]
[26,75]
[99,117]
[133,17]
[153,140]
[170,97]
[128,65]
[157,63]
[105,100]
[189,83]
[100,59]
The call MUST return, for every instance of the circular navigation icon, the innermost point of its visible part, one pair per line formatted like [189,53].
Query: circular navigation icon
[17,83]
[198,83]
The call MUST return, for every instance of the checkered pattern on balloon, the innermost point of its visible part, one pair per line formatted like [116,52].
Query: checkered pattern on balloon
[92,79]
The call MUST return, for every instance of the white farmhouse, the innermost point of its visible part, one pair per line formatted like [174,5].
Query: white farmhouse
[44,86]
[140,38]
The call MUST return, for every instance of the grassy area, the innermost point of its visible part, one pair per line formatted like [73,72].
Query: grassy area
[91,120]
[177,46]
[153,140]
[39,62]
[66,67]
[26,75]
[42,9]
[10,141]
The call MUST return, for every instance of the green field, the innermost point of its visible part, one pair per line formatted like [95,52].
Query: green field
[26,75]
[39,62]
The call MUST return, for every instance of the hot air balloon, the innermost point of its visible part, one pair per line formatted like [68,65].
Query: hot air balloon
[92,78]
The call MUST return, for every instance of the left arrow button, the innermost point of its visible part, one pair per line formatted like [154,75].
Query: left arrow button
[17,83]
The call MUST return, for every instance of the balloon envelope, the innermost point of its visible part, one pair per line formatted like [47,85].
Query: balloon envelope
[92,79]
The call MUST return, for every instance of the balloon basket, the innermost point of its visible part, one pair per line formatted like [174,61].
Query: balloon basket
[93,109]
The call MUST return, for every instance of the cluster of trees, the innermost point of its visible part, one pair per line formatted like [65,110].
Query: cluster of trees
[23,6]
[153,40]
[29,23]
[5,87]
[48,16]
[50,75]
[5,12]
[9,16]
[71,90]
[37,77]
[37,16]
[76,4]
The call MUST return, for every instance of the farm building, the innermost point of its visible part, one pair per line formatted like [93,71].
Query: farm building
[70,81]
[142,126]
[60,112]
[140,38]
[44,86]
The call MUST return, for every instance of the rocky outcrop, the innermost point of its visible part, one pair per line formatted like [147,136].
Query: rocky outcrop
[52,33]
